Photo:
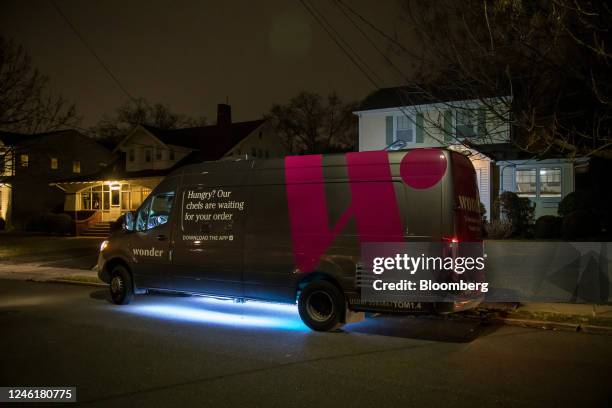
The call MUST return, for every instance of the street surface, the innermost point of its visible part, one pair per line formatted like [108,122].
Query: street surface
[191,351]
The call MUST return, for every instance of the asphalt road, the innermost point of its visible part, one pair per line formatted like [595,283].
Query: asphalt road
[181,351]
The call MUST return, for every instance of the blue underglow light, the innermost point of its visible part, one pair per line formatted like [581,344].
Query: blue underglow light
[221,312]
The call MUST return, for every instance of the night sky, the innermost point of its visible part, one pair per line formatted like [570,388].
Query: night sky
[191,55]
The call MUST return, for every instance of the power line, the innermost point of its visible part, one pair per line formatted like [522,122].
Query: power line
[338,43]
[340,7]
[387,37]
[93,52]
[344,41]
[375,28]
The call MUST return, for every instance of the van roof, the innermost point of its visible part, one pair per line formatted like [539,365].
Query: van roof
[332,159]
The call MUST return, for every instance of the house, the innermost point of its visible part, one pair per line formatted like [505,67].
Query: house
[469,126]
[30,162]
[147,154]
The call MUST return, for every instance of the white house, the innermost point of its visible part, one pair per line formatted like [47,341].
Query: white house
[392,114]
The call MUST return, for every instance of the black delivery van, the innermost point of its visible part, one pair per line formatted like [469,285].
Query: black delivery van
[291,230]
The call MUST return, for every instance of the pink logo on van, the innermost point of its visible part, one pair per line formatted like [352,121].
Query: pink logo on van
[373,202]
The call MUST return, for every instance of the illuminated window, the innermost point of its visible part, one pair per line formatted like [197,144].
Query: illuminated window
[76,166]
[404,129]
[526,182]
[24,159]
[54,163]
[550,182]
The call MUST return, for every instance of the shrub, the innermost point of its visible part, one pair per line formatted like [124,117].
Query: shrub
[483,219]
[519,211]
[2,224]
[57,223]
[576,201]
[498,229]
[580,224]
[34,223]
[548,226]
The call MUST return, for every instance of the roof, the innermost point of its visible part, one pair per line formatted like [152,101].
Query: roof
[115,171]
[211,138]
[408,96]
[14,138]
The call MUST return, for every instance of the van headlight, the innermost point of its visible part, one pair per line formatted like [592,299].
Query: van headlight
[103,245]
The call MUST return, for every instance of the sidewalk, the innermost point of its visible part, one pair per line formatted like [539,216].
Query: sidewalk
[556,316]
[42,273]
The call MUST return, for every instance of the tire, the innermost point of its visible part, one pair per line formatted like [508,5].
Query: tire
[121,287]
[321,306]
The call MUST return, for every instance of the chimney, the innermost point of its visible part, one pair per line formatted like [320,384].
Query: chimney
[224,114]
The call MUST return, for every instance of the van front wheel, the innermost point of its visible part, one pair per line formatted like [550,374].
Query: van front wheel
[121,288]
[321,305]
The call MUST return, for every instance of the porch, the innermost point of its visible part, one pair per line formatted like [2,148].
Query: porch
[95,203]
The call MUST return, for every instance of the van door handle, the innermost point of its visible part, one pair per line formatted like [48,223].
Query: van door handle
[161,237]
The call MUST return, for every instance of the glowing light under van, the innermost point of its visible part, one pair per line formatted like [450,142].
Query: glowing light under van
[224,312]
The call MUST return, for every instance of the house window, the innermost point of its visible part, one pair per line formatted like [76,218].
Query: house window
[526,182]
[171,154]
[466,123]
[550,182]
[131,155]
[54,163]
[76,166]
[254,152]
[158,154]
[148,155]
[24,159]
[404,129]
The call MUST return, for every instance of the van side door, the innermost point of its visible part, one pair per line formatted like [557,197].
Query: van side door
[149,244]
[209,233]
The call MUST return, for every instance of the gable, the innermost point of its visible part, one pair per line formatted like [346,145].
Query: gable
[139,137]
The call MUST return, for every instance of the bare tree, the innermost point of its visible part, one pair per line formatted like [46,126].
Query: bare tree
[543,66]
[26,105]
[310,123]
[140,112]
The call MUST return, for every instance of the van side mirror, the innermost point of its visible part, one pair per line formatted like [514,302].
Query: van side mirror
[128,221]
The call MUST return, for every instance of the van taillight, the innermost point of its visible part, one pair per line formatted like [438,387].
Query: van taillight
[450,247]
[451,240]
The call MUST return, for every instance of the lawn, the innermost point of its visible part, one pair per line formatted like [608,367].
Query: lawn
[70,252]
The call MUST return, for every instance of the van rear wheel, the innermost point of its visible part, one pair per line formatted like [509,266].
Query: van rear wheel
[121,288]
[321,306]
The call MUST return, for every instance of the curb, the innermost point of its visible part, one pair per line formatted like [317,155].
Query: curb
[548,325]
[75,282]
